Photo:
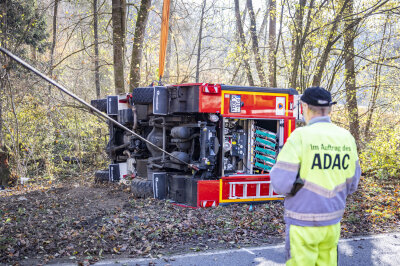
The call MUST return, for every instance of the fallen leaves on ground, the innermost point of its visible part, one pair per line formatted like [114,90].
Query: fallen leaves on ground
[373,208]
[94,222]
[87,223]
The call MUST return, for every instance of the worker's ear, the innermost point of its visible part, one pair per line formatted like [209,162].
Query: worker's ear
[306,111]
[304,106]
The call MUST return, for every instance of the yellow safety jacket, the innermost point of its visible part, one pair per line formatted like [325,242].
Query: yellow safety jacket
[324,156]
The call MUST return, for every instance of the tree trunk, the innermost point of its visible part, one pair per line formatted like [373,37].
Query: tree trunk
[33,53]
[272,44]
[137,46]
[177,61]
[4,167]
[263,28]
[96,50]
[275,83]
[242,41]
[169,47]
[200,38]
[3,43]
[168,58]
[53,43]
[350,75]
[2,85]
[372,104]
[377,85]
[296,42]
[1,114]
[298,26]
[254,41]
[118,20]
[331,41]
[3,24]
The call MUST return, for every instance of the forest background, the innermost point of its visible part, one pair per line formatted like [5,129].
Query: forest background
[98,47]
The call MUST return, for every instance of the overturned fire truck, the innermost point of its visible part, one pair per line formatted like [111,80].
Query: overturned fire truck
[230,134]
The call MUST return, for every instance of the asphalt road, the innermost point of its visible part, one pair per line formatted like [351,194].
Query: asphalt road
[369,250]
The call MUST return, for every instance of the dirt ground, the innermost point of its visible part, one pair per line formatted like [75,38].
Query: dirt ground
[87,222]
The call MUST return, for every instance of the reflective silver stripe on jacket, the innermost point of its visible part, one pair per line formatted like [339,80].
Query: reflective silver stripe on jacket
[314,217]
[326,192]
[294,167]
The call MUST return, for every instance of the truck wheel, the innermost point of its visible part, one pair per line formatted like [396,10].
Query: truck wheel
[101,176]
[143,95]
[142,188]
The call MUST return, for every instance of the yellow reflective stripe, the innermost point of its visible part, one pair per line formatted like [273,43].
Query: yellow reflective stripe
[294,167]
[256,93]
[327,193]
[314,217]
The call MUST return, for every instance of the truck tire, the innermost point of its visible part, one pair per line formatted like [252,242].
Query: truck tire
[142,188]
[101,176]
[143,95]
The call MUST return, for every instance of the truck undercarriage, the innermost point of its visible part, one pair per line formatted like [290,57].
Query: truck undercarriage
[224,131]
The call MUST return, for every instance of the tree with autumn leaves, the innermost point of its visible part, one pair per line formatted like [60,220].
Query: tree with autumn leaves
[98,48]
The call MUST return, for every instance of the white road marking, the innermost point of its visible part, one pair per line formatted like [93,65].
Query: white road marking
[370,237]
[221,252]
[251,252]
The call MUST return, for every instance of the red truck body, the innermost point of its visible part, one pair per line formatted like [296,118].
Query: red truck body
[231,133]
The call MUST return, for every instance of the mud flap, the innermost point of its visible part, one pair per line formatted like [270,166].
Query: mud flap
[112,105]
[118,171]
[160,185]
[113,172]
[160,100]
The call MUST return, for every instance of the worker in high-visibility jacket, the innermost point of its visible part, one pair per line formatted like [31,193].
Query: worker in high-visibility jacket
[316,170]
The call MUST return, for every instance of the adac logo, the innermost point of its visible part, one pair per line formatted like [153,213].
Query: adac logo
[280,106]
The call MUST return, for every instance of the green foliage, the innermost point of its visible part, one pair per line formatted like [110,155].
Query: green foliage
[25,24]
[381,155]
[49,140]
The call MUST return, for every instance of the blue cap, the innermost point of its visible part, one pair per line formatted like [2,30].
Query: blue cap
[317,96]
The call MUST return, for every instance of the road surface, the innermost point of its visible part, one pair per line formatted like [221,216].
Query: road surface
[381,249]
